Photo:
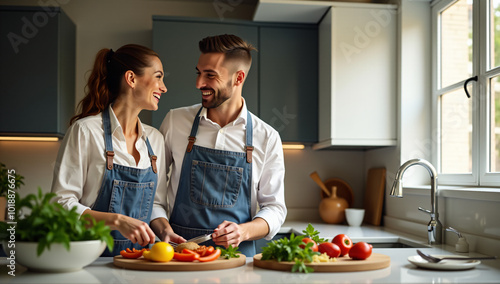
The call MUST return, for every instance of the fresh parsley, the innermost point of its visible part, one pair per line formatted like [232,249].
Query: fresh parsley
[50,223]
[289,250]
[230,252]
[313,234]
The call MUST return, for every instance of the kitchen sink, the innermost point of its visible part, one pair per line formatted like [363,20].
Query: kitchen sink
[378,242]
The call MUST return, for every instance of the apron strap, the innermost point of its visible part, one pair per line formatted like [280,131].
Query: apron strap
[194,130]
[152,156]
[249,135]
[107,139]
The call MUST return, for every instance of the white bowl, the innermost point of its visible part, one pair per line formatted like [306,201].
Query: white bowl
[57,258]
[354,216]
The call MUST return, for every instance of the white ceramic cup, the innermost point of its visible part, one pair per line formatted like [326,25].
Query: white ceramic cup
[354,216]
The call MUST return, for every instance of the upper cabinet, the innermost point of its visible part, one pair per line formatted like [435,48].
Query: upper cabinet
[37,73]
[288,79]
[357,77]
[282,85]
[357,68]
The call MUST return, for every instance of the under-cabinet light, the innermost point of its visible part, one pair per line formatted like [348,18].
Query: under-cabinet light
[293,146]
[33,139]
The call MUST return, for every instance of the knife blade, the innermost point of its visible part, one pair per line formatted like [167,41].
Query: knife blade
[201,239]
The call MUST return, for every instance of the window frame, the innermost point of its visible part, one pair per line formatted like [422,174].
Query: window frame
[480,96]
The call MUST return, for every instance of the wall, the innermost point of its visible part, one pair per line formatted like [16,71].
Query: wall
[112,23]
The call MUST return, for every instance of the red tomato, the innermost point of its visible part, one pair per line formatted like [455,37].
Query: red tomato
[308,240]
[344,243]
[331,249]
[361,251]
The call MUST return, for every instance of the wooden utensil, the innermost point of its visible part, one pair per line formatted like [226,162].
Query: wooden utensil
[374,196]
[317,179]
[174,265]
[332,209]
[343,264]
[344,190]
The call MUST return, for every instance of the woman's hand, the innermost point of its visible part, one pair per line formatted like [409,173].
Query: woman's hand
[135,230]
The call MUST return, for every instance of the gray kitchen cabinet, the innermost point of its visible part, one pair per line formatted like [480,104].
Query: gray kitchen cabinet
[37,71]
[282,85]
[288,77]
[176,41]
[357,103]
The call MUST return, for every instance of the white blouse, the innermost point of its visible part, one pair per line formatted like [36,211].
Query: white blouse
[81,162]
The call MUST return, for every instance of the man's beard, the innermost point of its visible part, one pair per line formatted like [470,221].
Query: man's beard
[219,97]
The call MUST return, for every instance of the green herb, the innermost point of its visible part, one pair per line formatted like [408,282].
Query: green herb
[50,223]
[289,250]
[311,233]
[9,180]
[230,252]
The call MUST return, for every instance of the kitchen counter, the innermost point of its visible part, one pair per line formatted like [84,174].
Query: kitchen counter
[400,271]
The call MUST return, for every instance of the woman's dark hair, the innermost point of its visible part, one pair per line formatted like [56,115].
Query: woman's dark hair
[103,85]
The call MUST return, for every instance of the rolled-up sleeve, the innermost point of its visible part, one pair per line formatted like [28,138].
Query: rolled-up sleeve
[271,187]
[70,171]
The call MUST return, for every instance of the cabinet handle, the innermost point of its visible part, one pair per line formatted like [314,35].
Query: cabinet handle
[467,82]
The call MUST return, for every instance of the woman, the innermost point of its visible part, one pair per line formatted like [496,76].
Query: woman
[107,164]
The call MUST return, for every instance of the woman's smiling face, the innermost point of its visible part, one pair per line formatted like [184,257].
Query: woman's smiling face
[150,85]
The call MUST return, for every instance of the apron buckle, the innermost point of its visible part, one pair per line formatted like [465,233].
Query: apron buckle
[109,159]
[153,163]
[249,150]
[191,139]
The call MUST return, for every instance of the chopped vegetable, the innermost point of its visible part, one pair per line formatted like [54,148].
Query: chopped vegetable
[131,254]
[211,257]
[186,256]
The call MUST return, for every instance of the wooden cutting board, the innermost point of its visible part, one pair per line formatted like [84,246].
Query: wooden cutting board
[343,264]
[174,265]
[374,196]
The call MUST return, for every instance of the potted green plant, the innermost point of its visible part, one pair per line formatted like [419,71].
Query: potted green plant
[52,238]
[9,180]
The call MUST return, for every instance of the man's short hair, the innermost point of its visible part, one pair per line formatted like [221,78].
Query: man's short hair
[233,47]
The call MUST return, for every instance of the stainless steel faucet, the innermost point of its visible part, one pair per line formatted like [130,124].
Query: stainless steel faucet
[434,228]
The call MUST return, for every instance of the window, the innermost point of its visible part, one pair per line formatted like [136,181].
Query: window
[466,43]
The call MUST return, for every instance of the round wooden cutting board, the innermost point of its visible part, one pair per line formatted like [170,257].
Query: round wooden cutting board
[343,264]
[174,265]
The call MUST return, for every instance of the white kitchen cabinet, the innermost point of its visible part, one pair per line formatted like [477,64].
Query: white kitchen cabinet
[357,77]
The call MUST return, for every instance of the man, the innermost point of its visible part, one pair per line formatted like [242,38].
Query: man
[227,174]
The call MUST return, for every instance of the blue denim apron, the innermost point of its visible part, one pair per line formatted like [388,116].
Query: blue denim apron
[125,190]
[214,186]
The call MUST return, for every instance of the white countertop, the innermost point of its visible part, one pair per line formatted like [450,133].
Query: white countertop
[400,271]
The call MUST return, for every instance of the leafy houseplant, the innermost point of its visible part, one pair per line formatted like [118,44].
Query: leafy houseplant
[50,223]
[9,180]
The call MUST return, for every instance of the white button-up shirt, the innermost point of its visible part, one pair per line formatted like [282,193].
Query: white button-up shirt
[268,169]
[81,162]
